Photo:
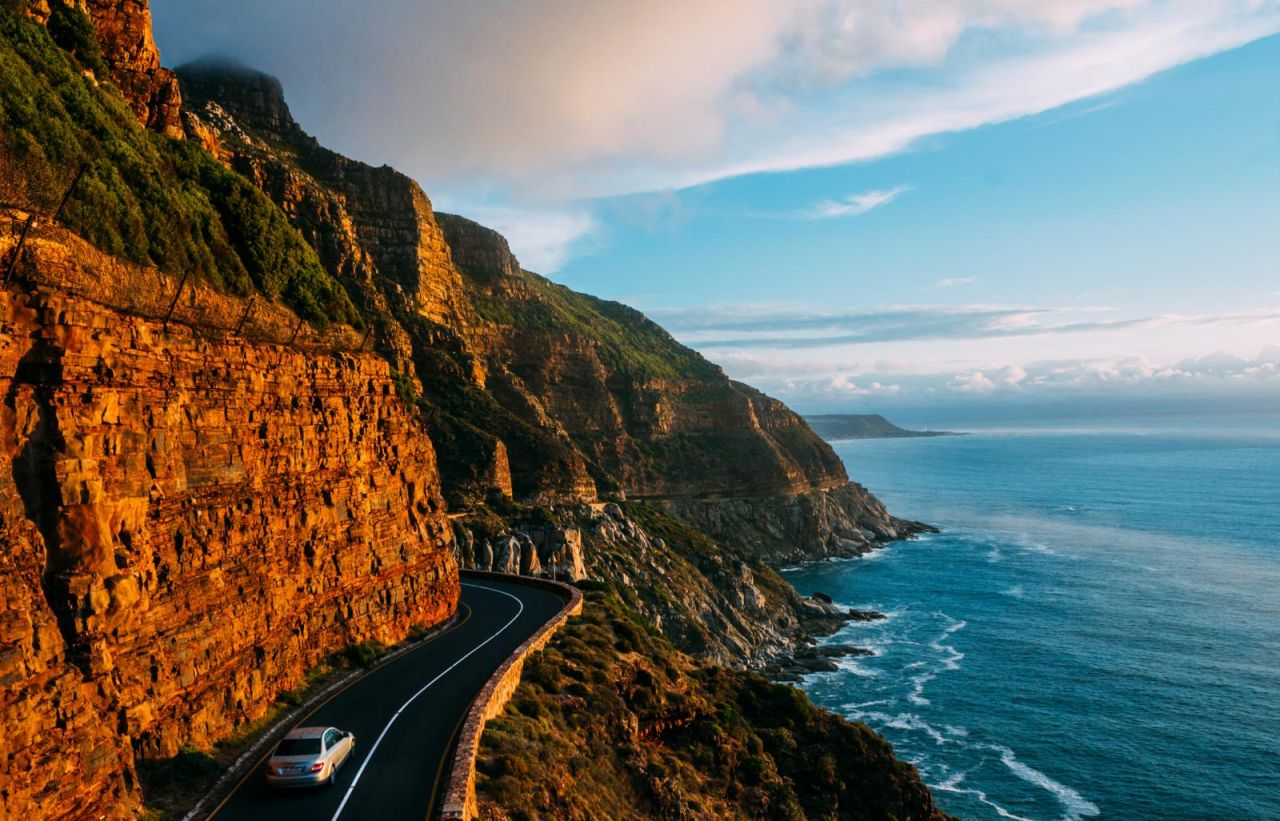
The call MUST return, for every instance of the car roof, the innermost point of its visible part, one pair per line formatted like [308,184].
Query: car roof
[307,732]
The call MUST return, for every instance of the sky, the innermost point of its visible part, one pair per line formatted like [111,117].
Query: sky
[855,205]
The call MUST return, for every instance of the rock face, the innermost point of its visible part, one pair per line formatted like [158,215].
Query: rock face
[190,524]
[123,28]
[538,392]
[843,522]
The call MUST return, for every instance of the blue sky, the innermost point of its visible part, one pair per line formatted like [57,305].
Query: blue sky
[853,205]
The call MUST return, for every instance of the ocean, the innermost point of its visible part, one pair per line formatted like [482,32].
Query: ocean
[1094,633]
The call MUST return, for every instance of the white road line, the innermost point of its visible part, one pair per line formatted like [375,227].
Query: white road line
[374,748]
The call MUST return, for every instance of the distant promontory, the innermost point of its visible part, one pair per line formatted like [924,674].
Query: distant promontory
[864,426]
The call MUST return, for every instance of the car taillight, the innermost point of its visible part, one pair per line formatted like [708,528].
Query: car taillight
[315,768]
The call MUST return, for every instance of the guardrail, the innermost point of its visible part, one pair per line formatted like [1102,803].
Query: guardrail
[459,802]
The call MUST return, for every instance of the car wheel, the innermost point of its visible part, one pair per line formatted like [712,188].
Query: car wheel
[333,777]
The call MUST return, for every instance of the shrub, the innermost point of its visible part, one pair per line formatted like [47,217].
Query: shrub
[143,197]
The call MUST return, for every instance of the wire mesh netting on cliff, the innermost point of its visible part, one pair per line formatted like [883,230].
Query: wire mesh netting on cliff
[32,195]
[30,183]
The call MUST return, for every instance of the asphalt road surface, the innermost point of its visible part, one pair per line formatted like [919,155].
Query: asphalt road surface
[406,716]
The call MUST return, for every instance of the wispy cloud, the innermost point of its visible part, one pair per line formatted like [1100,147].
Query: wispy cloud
[737,327]
[1216,374]
[786,86]
[954,282]
[854,204]
[543,240]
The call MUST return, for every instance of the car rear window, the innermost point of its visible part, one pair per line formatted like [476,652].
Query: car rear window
[299,746]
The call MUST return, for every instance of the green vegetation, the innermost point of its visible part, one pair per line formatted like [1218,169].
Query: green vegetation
[72,30]
[611,721]
[143,197]
[628,342]
[364,653]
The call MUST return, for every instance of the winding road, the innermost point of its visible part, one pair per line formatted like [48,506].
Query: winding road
[406,716]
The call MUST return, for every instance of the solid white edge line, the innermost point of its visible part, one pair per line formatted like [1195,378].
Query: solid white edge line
[468,654]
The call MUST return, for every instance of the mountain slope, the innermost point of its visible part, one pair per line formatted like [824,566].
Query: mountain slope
[534,391]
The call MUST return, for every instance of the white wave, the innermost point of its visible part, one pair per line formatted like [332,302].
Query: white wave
[909,722]
[1016,592]
[956,731]
[850,709]
[994,555]
[916,696]
[851,664]
[1076,805]
[877,553]
[953,657]
[981,796]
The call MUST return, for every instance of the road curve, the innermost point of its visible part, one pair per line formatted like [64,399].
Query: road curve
[406,715]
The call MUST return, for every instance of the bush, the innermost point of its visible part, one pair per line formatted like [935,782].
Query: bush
[73,31]
[146,198]
[364,653]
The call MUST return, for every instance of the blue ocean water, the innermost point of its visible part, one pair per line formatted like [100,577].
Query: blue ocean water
[1096,631]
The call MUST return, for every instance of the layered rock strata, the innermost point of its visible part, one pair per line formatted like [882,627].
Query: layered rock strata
[538,392]
[191,522]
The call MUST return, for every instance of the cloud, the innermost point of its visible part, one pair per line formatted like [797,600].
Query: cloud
[954,282]
[854,204]
[542,240]
[1117,376]
[576,98]
[747,327]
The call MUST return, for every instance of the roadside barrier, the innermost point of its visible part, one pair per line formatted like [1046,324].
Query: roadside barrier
[460,794]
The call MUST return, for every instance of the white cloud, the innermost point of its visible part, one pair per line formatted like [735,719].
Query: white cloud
[954,282]
[542,240]
[736,327]
[1118,376]
[577,98]
[854,204]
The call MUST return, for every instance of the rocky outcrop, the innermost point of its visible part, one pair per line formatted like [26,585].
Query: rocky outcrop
[123,28]
[373,225]
[537,550]
[711,599]
[191,522]
[62,754]
[537,392]
[842,522]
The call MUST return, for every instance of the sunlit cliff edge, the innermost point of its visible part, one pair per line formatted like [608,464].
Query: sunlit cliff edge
[219,478]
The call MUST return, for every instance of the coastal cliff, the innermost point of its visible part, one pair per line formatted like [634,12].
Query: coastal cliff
[196,522]
[536,392]
[245,376]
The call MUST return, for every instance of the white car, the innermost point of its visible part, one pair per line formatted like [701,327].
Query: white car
[308,756]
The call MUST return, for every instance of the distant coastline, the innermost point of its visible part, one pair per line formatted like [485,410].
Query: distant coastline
[865,426]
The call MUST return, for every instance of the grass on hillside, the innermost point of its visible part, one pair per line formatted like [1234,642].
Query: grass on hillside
[611,721]
[144,197]
[629,343]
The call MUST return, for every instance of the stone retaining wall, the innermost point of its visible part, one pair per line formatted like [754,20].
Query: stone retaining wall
[460,793]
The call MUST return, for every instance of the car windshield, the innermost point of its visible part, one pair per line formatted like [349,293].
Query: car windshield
[299,746]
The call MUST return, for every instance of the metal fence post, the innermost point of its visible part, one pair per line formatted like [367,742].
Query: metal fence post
[244,317]
[66,195]
[173,305]
[17,249]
